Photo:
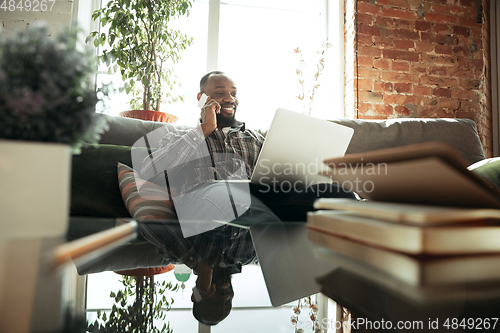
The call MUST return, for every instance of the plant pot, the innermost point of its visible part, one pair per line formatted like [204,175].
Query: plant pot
[35,189]
[150,115]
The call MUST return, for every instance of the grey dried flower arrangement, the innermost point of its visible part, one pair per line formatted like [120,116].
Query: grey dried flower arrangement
[45,89]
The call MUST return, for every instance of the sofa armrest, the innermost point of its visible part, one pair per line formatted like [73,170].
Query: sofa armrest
[126,131]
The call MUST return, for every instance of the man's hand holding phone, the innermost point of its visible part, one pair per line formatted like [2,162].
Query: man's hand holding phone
[209,109]
[204,287]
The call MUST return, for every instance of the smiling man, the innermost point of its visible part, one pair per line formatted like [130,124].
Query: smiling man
[215,305]
[222,91]
[221,148]
[219,124]
[195,160]
[219,134]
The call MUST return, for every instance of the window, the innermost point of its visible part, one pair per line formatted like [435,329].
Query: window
[250,305]
[253,41]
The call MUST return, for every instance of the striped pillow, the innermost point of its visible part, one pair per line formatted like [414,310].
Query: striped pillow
[153,202]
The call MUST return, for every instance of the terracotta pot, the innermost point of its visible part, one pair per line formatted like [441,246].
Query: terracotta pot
[150,115]
[35,188]
[146,271]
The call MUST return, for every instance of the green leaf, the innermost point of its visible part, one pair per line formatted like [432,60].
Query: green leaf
[127,40]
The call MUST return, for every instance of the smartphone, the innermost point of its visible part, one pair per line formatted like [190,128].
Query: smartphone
[202,100]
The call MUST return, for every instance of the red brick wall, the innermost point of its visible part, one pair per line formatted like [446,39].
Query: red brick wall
[419,58]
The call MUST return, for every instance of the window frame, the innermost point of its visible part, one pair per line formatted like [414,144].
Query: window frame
[332,27]
[495,75]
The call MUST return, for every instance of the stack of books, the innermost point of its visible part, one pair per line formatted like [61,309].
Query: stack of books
[412,240]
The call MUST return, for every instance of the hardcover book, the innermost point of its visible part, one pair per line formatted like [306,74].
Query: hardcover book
[480,236]
[420,215]
[428,173]
[413,270]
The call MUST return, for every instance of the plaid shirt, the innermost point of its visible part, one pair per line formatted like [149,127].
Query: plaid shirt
[225,246]
[191,159]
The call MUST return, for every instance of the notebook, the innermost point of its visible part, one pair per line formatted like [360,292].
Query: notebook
[431,173]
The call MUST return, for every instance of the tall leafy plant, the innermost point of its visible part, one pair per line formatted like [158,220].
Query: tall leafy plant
[150,303]
[140,43]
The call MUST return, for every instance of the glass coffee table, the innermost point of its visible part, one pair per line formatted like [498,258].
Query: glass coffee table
[266,291]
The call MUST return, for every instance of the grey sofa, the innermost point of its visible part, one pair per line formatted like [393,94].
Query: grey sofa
[368,134]
[94,178]
[95,192]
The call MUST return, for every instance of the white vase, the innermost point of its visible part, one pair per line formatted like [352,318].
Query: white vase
[34,189]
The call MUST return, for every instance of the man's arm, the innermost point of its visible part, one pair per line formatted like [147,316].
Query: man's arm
[177,148]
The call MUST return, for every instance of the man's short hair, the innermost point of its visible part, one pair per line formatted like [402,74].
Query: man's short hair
[204,79]
[211,315]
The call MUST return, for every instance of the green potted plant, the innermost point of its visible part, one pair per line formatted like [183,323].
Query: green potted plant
[47,111]
[140,43]
[149,304]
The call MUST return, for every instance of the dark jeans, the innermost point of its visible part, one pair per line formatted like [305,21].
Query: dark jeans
[211,202]
[292,204]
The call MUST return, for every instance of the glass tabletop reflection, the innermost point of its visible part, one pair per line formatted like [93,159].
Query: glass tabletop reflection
[282,285]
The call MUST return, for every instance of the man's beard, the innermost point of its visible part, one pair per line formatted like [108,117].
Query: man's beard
[226,121]
[220,273]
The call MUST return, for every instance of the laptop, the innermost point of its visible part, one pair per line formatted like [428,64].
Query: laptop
[295,147]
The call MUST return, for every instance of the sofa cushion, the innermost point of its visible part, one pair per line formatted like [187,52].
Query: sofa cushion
[94,181]
[370,135]
[144,199]
[488,169]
